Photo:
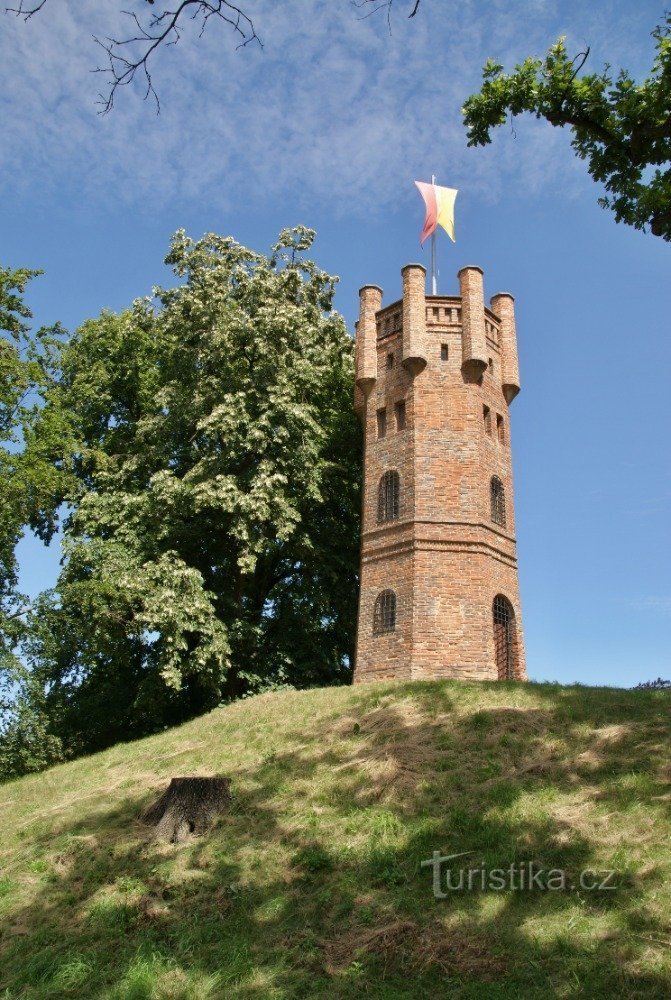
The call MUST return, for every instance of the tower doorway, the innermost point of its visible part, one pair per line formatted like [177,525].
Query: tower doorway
[505,639]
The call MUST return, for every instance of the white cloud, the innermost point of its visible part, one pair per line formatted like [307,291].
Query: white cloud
[333,107]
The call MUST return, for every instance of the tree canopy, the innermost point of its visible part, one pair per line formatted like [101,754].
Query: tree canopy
[622,129]
[213,464]
[31,483]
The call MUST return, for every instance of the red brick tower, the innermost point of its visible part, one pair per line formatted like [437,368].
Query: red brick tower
[434,378]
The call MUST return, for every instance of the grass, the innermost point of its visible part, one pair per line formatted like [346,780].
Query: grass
[312,885]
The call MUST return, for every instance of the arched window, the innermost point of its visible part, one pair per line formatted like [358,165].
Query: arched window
[498,498]
[388,497]
[505,638]
[384,616]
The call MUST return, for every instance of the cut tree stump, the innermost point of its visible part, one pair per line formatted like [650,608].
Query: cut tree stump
[188,807]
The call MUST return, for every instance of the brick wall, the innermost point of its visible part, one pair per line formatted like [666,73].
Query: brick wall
[452,362]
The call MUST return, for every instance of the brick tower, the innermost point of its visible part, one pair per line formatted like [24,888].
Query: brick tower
[434,378]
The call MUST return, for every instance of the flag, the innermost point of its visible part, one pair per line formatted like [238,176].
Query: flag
[439,203]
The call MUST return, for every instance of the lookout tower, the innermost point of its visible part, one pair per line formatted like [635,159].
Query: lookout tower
[435,376]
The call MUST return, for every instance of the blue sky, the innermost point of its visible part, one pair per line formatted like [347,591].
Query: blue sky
[329,125]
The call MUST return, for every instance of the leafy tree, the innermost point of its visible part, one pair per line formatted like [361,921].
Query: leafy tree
[213,542]
[622,130]
[31,484]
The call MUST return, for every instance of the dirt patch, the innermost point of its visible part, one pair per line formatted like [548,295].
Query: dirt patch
[403,943]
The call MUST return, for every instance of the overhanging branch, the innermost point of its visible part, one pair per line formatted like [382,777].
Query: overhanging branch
[128,57]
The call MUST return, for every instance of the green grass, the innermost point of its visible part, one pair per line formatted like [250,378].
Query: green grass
[312,885]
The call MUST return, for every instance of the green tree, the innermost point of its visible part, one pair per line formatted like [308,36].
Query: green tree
[212,545]
[622,129]
[31,486]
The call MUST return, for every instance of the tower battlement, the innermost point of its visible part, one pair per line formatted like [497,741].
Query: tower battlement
[434,378]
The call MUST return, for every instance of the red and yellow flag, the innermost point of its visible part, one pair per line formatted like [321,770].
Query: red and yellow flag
[439,203]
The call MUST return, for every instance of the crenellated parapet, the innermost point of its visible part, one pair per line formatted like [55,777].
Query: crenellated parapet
[483,331]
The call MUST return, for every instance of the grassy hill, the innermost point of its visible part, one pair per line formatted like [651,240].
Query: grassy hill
[312,885]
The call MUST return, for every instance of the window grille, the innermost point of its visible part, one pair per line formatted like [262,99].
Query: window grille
[388,497]
[384,616]
[498,499]
[505,638]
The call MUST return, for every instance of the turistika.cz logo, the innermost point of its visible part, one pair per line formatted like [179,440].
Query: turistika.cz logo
[521,876]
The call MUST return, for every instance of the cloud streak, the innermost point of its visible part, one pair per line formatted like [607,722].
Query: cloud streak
[332,108]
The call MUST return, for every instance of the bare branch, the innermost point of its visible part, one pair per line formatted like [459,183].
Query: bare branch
[381,5]
[133,57]
[24,11]
[128,57]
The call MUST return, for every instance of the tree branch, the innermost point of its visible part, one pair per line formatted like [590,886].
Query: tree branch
[382,5]
[164,28]
[24,11]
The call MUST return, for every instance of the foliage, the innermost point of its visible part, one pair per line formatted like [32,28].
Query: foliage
[622,129]
[31,484]
[17,375]
[212,545]
[312,885]
[658,685]
[27,742]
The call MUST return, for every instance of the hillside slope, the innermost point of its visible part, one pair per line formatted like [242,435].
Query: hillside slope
[312,885]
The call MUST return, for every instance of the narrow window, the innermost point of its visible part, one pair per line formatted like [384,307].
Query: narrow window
[384,616]
[390,361]
[498,499]
[505,638]
[436,312]
[388,497]
[382,423]
[444,352]
[491,367]
[487,419]
[500,428]
[400,415]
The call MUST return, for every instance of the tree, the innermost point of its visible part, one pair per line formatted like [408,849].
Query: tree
[132,56]
[622,130]
[212,547]
[31,485]
[30,481]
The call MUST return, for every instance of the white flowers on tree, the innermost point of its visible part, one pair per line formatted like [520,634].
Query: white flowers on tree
[213,459]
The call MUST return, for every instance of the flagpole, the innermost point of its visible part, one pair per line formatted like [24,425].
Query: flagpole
[433,254]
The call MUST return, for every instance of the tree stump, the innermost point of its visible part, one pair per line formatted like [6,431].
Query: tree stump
[188,807]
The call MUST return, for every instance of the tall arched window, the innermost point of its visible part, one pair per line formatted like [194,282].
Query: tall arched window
[388,493]
[505,638]
[498,498]
[384,616]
